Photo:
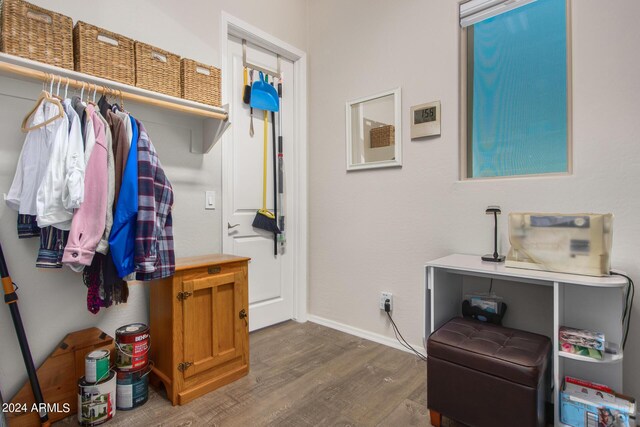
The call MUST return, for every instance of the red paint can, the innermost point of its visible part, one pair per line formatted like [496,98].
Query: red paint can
[132,343]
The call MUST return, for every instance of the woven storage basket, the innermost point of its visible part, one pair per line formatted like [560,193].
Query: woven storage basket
[383,136]
[157,70]
[102,53]
[35,33]
[200,82]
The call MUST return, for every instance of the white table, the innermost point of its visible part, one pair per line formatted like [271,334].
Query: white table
[594,303]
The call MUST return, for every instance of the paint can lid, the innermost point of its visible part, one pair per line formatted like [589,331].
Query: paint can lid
[122,374]
[98,354]
[82,382]
[132,329]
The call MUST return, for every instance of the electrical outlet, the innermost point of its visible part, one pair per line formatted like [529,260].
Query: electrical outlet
[386,296]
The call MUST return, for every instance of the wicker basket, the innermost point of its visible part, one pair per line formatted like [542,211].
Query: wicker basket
[157,70]
[383,136]
[200,83]
[102,53]
[35,33]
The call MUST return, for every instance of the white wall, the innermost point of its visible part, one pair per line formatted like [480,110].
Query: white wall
[53,302]
[367,238]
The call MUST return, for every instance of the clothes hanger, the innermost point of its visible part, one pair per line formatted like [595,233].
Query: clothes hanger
[89,95]
[51,94]
[115,106]
[82,95]
[113,94]
[57,94]
[122,102]
[66,88]
[44,97]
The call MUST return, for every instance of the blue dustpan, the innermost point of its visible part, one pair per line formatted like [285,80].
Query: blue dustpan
[264,96]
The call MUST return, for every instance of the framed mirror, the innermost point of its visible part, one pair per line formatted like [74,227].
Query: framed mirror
[374,131]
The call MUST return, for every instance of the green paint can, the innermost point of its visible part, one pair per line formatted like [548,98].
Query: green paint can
[96,366]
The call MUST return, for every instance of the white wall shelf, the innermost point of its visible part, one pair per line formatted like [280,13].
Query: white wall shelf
[594,303]
[467,264]
[606,358]
[215,119]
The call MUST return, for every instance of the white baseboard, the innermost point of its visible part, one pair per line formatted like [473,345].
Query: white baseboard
[371,336]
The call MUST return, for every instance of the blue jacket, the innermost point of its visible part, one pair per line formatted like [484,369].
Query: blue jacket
[123,232]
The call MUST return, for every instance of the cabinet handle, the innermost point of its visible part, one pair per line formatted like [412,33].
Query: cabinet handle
[184,295]
[229,226]
[184,366]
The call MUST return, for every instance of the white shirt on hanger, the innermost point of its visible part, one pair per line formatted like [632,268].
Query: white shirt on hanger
[62,189]
[34,158]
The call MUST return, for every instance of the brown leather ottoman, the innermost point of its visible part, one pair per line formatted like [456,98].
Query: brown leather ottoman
[486,375]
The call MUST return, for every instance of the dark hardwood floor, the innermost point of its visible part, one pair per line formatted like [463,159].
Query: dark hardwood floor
[303,375]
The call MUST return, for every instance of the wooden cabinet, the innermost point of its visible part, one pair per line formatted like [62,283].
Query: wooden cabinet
[199,326]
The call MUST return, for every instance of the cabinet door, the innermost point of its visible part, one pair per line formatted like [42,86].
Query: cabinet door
[213,327]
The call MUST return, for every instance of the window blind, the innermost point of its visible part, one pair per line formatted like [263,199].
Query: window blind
[475,11]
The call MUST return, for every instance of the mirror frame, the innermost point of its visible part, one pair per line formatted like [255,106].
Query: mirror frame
[397,106]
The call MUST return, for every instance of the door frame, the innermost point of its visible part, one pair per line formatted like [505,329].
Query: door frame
[232,26]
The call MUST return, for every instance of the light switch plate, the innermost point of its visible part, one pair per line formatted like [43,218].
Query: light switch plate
[209,200]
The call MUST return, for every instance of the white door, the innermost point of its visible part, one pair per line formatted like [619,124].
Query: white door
[270,276]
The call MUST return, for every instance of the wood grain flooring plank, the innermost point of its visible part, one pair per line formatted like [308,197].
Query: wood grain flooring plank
[419,395]
[302,374]
[408,413]
[300,391]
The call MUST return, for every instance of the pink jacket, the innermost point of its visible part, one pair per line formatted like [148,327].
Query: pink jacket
[88,222]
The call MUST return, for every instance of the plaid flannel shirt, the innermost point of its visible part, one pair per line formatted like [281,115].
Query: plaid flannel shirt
[154,253]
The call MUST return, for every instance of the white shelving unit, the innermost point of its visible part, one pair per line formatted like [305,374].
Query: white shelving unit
[215,120]
[606,358]
[594,303]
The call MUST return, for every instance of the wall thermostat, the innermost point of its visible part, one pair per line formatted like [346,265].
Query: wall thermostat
[425,120]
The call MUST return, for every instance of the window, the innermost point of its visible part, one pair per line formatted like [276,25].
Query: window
[516,103]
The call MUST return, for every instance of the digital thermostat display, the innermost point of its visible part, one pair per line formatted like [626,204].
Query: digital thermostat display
[425,120]
[425,115]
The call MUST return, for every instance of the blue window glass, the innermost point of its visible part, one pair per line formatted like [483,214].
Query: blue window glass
[518,65]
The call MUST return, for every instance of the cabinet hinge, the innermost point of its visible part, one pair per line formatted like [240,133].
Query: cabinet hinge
[183,295]
[184,366]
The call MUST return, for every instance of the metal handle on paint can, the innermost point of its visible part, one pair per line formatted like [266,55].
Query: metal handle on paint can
[106,374]
[131,354]
[149,369]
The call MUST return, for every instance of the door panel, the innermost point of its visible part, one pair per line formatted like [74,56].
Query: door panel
[271,285]
[202,348]
[226,312]
[255,248]
[212,326]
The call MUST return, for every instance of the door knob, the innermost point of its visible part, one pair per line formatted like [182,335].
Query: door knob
[229,226]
